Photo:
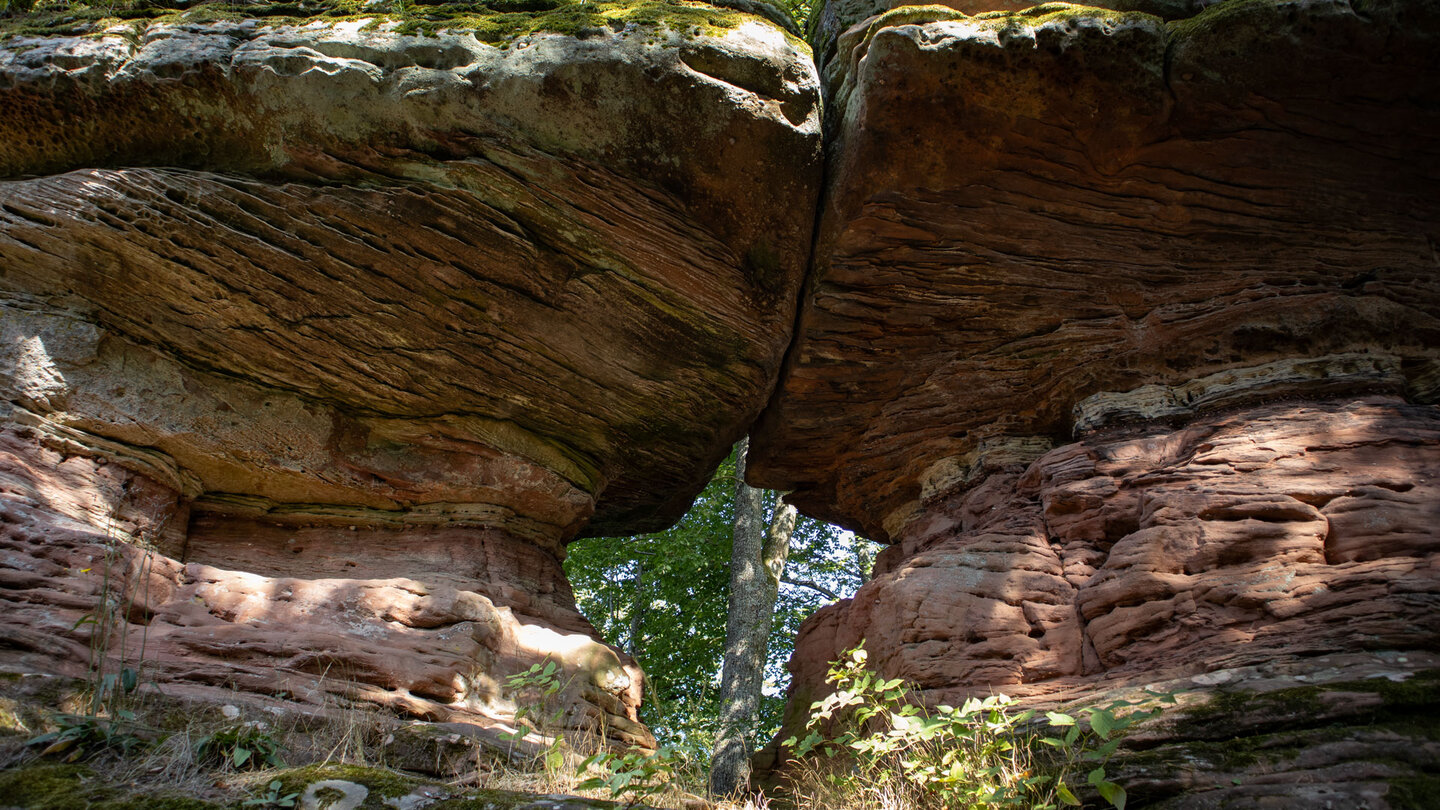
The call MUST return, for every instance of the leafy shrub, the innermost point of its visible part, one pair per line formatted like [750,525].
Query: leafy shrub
[877,742]
[82,736]
[534,693]
[241,746]
[274,798]
[634,776]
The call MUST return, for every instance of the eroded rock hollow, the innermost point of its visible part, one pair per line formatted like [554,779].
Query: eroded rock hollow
[323,338]
[1122,332]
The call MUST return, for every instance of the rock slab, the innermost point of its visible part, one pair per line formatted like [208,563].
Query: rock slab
[322,338]
[1122,332]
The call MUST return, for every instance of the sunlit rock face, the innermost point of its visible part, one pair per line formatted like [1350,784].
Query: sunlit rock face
[344,333]
[1123,333]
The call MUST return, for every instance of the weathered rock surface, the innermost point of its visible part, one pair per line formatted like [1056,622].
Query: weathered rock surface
[426,620]
[1287,530]
[433,227]
[1276,547]
[1123,334]
[1027,211]
[324,337]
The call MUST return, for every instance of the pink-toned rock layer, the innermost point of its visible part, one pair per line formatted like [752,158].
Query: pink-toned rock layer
[1123,334]
[1283,531]
[1269,548]
[295,611]
[320,341]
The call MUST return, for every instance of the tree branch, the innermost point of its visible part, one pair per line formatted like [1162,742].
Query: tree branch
[814,586]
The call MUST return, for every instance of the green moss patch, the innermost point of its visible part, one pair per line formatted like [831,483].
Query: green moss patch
[1058,12]
[1235,731]
[492,21]
[1410,703]
[1003,21]
[1416,793]
[75,787]
[507,800]
[382,783]
[1226,15]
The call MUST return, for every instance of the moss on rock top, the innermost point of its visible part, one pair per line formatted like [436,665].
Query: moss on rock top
[492,21]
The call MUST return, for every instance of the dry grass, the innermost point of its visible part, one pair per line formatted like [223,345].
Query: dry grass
[168,764]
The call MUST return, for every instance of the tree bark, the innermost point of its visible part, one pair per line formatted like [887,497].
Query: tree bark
[639,601]
[812,585]
[756,564]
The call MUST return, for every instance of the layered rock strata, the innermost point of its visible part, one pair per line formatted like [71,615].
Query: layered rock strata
[1122,332]
[323,337]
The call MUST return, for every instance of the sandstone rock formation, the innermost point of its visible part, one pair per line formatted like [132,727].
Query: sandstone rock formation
[1123,334]
[323,337]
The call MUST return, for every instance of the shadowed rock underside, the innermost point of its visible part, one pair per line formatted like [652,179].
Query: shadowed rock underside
[1122,333]
[323,337]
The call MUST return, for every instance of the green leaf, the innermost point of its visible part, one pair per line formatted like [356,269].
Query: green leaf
[1106,751]
[1096,776]
[1065,795]
[1101,721]
[1113,793]
[240,756]
[1058,719]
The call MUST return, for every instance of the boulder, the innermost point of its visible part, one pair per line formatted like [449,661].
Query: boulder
[1027,210]
[322,336]
[1122,332]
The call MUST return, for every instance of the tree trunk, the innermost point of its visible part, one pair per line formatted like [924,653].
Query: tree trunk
[756,564]
[638,603]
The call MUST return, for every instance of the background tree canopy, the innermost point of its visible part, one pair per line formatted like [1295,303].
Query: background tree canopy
[663,597]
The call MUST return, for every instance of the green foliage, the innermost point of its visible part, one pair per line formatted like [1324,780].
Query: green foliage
[534,693]
[240,747]
[869,737]
[800,10]
[273,798]
[634,776]
[80,737]
[532,690]
[664,597]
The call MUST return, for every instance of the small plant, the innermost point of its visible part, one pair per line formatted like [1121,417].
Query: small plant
[533,691]
[634,776]
[1076,748]
[244,745]
[82,737]
[274,798]
[979,755]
